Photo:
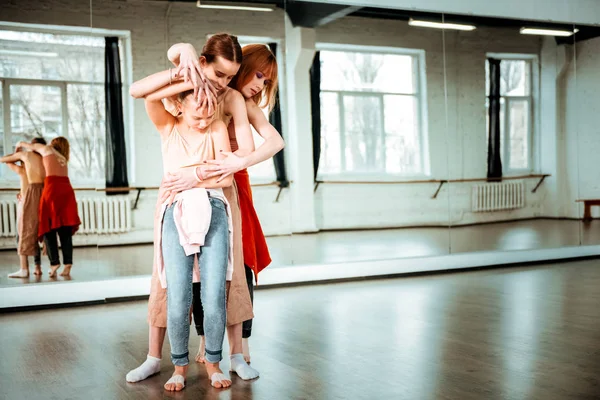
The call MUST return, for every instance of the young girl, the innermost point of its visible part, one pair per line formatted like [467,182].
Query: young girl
[31,174]
[220,60]
[196,217]
[58,207]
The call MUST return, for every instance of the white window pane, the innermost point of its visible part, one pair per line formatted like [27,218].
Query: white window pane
[86,132]
[31,55]
[30,107]
[515,78]
[367,72]
[2,138]
[363,148]
[518,131]
[331,155]
[402,140]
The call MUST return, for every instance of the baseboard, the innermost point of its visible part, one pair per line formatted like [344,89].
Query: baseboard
[47,295]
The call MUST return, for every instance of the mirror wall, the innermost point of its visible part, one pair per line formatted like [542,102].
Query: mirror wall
[115,165]
[432,134]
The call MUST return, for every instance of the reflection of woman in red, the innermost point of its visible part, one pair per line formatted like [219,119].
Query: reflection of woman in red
[58,207]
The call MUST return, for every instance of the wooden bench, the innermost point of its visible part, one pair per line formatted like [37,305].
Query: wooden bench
[587,207]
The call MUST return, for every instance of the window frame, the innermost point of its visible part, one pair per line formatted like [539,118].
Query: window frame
[534,113]
[420,95]
[126,76]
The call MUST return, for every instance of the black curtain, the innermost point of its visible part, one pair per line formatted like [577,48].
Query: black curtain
[494,162]
[315,108]
[116,152]
[275,120]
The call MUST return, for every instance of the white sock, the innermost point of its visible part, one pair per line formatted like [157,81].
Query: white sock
[239,366]
[22,273]
[149,367]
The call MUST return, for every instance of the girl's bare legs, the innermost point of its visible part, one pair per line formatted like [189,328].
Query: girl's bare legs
[156,339]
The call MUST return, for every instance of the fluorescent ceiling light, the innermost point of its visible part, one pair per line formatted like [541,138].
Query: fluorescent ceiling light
[234,6]
[440,25]
[547,32]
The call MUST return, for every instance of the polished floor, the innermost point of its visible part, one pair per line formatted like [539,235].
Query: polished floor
[101,263]
[520,333]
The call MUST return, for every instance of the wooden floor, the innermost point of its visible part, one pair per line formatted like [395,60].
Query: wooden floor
[92,264]
[514,333]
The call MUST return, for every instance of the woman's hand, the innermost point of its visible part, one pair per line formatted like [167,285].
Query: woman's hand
[225,167]
[181,180]
[189,68]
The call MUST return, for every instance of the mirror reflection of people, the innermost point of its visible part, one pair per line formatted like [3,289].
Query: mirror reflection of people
[220,66]
[194,222]
[31,173]
[58,208]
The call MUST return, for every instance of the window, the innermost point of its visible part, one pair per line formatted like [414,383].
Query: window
[516,108]
[372,113]
[55,86]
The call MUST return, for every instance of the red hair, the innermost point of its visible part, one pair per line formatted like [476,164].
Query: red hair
[258,57]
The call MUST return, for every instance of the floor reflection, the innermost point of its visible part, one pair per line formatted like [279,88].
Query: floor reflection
[101,263]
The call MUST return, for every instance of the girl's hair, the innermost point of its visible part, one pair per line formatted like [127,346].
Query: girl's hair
[258,57]
[181,96]
[222,45]
[61,144]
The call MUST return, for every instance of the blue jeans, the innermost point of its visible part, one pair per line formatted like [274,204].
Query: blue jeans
[213,259]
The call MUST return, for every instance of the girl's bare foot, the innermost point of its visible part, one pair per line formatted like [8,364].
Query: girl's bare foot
[200,356]
[66,271]
[177,381]
[22,273]
[38,270]
[52,270]
[216,376]
[246,350]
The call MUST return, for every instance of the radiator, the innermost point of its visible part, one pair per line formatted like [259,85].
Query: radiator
[8,218]
[104,215]
[498,196]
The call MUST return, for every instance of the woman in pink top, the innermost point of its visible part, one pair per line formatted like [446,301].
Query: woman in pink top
[58,208]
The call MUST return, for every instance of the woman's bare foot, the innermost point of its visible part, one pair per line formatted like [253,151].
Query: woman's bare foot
[22,273]
[216,377]
[200,356]
[52,270]
[38,270]
[177,381]
[66,271]
[246,350]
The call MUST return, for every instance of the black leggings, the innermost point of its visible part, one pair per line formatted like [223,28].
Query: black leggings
[198,311]
[66,243]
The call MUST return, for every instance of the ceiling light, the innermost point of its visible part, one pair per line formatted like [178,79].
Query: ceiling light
[440,25]
[234,6]
[547,32]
